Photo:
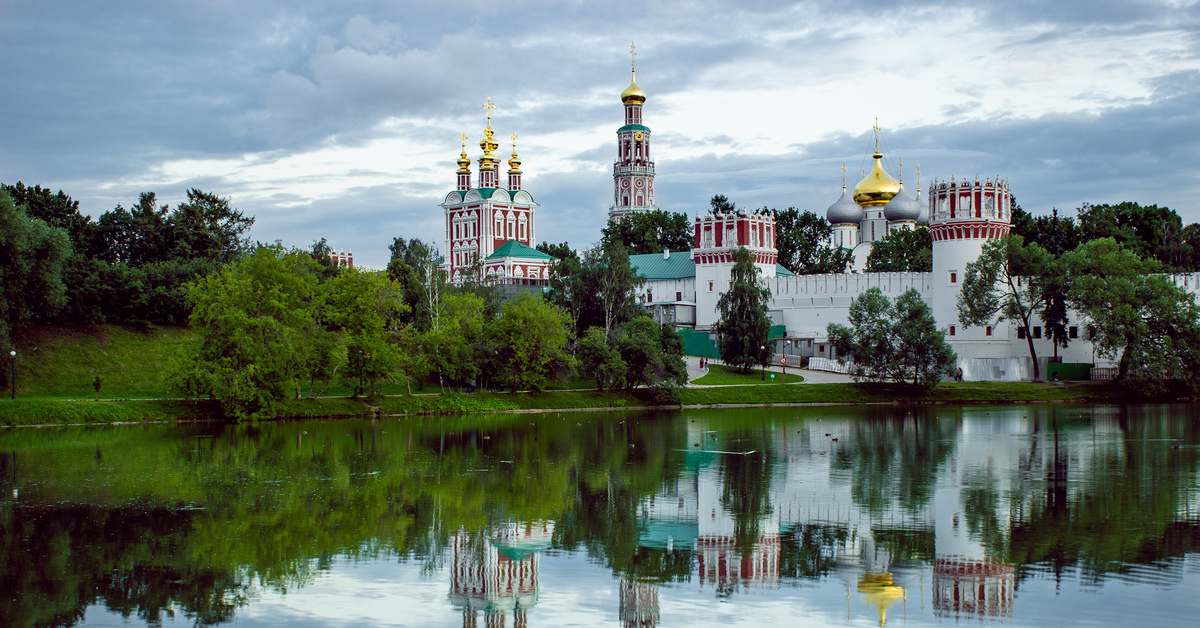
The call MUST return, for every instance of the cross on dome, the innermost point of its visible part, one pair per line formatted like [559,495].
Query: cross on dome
[632,57]
[489,106]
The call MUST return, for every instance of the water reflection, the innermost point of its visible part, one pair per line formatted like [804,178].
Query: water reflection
[926,514]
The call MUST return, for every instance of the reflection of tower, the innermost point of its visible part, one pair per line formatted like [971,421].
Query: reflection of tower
[721,564]
[639,604]
[972,588]
[497,573]
[880,591]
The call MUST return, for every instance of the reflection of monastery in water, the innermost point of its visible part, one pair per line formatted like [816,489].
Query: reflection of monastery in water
[910,514]
[497,574]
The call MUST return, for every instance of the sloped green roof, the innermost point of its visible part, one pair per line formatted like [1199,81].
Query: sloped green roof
[652,265]
[633,127]
[512,248]
[780,271]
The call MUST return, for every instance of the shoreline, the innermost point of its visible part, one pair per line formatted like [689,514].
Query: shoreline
[80,413]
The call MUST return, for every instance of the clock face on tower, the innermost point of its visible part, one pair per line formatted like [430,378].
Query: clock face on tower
[638,136]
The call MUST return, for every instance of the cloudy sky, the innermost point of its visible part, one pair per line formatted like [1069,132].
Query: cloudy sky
[341,120]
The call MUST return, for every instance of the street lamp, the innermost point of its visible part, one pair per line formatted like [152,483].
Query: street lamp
[12,373]
[763,351]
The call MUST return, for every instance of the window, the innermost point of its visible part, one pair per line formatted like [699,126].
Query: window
[820,348]
[1037,332]
[710,286]
[649,296]
[987,331]
[731,285]
[1072,332]
[953,277]
[1021,333]
[678,296]
[952,330]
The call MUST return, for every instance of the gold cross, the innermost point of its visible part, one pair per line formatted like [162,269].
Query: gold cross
[918,178]
[843,176]
[514,138]
[901,163]
[632,57]
[489,106]
[463,137]
[876,127]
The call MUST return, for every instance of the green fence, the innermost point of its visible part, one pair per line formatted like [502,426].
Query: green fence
[1069,370]
[699,344]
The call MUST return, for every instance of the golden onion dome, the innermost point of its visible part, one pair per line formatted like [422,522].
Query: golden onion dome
[878,187]
[633,92]
[514,164]
[464,162]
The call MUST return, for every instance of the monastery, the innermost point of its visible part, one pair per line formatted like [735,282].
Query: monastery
[495,224]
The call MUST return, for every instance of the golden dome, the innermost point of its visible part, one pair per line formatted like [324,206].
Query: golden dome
[878,187]
[464,162]
[633,92]
[879,590]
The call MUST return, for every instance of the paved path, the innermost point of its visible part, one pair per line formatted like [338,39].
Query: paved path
[810,377]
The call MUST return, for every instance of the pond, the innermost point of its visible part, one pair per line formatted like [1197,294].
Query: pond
[1042,515]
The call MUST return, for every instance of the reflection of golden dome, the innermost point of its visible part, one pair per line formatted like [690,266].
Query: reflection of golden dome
[633,92]
[878,589]
[878,187]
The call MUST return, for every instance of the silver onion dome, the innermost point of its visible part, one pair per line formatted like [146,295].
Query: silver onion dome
[902,208]
[844,211]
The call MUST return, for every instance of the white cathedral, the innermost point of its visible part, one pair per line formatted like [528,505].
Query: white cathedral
[496,225]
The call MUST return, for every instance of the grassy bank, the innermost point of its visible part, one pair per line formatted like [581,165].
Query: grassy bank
[721,375]
[44,411]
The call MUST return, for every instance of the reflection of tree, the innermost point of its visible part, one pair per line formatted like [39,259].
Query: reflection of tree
[1121,509]
[811,551]
[895,459]
[745,487]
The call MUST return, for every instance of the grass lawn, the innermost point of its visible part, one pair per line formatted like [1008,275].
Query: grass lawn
[721,375]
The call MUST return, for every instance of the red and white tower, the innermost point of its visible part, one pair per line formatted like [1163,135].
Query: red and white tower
[490,229]
[633,171]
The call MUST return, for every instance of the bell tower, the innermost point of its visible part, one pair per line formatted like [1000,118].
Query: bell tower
[633,170]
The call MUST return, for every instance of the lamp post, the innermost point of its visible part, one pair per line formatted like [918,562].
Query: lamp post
[12,373]
[763,351]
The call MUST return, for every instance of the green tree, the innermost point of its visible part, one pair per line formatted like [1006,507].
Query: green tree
[743,326]
[58,211]
[31,268]
[902,250]
[1011,281]
[207,226]
[558,251]
[256,318]
[718,204]
[1136,315]
[530,343]
[363,305]
[453,348]
[897,342]
[600,360]
[649,232]
[802,240]
[1152,232]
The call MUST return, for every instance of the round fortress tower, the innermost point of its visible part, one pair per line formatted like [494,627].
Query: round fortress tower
[963,215]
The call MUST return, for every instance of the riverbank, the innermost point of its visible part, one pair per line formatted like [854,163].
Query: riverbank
[51,411]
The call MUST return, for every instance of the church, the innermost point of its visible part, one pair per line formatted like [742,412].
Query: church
[490,230]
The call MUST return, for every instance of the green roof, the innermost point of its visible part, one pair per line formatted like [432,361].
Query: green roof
[652,265]
[780,271]
[633,127]
[512,248]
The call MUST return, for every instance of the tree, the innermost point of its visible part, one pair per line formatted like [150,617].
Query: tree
[59,211]
[897,342]
[1152,232]
[530,343]
[993,290]
[31,268]
[207,226]
[649,232]
[558,251]
[1137,316]
[743,326]
[363,306]
[802,240]
[718,204]
[600,360]
[256,318]
[453,347]
[902,250]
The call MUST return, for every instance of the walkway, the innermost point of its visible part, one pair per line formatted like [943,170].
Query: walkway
[810,377]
